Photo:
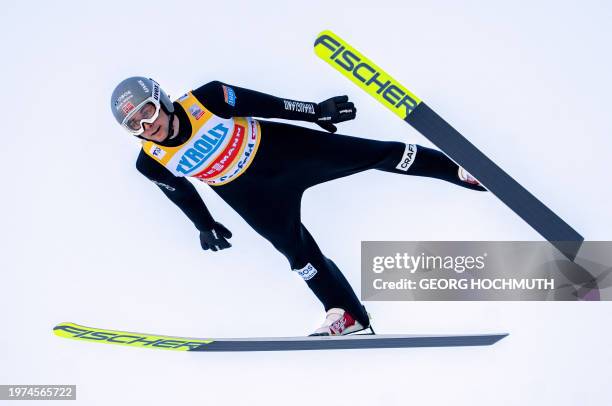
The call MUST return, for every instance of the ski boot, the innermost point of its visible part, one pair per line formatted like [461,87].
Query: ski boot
[339,323]
[465,176]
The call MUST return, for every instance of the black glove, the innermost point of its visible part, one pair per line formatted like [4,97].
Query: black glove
[334,110]
[216,238]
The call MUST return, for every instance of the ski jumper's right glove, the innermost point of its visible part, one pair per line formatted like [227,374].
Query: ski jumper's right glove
[334,110]
[215,238]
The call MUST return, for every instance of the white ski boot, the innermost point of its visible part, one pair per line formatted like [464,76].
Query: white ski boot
[338,323]
[465,176]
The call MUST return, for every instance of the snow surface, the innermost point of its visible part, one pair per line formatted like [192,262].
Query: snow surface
[85,238]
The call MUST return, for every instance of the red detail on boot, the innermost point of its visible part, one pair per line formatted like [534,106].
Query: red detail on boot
[338,326]
[472,181]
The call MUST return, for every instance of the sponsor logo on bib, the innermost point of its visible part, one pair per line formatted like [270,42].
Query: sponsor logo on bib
[157,152]
[196,111]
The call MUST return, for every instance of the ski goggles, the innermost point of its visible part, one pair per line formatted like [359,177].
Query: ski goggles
[145,112]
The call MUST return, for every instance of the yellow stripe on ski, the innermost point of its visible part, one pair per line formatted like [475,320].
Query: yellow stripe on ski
[77,332]
[365,74]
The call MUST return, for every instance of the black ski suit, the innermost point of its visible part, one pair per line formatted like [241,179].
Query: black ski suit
[291,159]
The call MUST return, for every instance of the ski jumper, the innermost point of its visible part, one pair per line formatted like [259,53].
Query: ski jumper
[262,168]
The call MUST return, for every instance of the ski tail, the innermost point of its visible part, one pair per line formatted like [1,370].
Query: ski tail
[552,227]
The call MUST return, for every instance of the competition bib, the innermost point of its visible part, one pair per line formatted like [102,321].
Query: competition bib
[218,149]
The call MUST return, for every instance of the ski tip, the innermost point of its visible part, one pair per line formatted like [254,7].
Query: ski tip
[92,334]
[325,32]
[60,327]
[321,37]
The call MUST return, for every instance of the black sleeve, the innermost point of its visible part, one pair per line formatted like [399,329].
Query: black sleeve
[231,101]
[177,189]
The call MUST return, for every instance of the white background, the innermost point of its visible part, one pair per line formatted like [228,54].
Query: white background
[86,238]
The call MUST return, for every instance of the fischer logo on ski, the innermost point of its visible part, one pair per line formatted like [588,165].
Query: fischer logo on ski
[74,331]
[365,74]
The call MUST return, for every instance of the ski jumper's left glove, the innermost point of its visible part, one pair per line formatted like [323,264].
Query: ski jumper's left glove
[334,110]
[215,238]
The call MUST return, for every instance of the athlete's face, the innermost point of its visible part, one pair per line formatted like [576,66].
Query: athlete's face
[157,131]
